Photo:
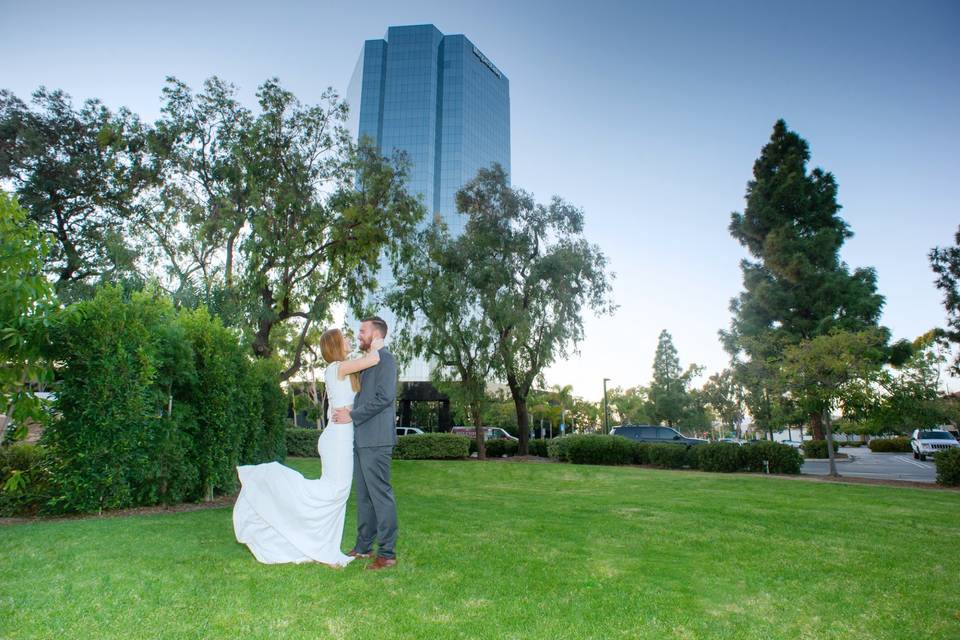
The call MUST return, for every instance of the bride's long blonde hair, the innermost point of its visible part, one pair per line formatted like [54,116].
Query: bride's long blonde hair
[332,350]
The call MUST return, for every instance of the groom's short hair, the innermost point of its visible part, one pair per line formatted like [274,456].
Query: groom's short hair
[379,323]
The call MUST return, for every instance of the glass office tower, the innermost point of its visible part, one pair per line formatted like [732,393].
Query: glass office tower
[444,103]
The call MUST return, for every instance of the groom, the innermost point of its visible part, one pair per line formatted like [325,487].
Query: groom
[374,417]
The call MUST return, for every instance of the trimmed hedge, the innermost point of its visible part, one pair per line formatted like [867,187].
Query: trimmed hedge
[158,405]
[890,445]
[948,467]
[782,458]
[724,457]
[817,448]
[538,447]
[500,448]
[432,446]
[670,456]
[599,449]
[302,442]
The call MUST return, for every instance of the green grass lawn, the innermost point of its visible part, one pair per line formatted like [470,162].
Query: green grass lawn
[500,550]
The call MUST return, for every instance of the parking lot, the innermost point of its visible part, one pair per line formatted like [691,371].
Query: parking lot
[883,466]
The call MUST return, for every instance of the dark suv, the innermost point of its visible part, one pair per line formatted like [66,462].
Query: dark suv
[648,433]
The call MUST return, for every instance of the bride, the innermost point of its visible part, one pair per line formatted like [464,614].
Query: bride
[283,517]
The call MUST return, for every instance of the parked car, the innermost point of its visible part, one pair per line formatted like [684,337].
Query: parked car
[650,433]
[490,433]
[926,442]
[408,431]
[731,441]
[796,444]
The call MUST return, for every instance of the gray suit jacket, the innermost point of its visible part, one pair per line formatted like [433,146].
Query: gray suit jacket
[374,411]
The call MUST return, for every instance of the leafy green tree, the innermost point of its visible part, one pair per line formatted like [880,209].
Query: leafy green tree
[438,309]
[669,398]
[796,288]
[79,173]
[827,372]
[26,302]
[288,217]
[723,392]
[535,274]
[945,262]
[631,405]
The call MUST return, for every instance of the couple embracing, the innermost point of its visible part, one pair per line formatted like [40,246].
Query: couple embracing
[283,517]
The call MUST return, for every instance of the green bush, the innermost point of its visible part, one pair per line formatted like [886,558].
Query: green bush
[24,479]
[500,448]
[302,442]
[599,449]
[817,448]
[432,446]
[782,458]
[726,457]
[890,445]
[948,466]
[538,447]
[669,456]
[157,405]
[641,452]
[558,447]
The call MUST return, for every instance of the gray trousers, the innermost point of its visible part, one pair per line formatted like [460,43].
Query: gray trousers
[376,506]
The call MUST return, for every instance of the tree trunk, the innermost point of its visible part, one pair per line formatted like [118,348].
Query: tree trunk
[523,424]
[816,425]
[833,461]
[477,418]
[261,340]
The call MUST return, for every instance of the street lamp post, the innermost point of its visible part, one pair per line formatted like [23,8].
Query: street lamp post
[606,413]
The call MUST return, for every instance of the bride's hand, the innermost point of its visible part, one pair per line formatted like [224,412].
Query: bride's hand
[377,344]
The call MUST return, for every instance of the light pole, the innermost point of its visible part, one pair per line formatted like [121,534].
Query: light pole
[606,413]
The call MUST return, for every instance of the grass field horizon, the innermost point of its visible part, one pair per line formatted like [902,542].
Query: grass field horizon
[519,551]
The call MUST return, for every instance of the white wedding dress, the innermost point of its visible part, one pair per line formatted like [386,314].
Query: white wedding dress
[282,516]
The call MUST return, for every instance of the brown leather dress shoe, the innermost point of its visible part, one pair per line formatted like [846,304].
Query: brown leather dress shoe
[354,554]
[382,563]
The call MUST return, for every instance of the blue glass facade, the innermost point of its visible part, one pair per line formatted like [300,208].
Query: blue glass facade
[444,103]
[439,99]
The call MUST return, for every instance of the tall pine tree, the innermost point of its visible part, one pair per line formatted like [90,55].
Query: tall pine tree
[796,287]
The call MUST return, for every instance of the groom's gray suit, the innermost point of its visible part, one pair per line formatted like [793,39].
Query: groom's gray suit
[374,416]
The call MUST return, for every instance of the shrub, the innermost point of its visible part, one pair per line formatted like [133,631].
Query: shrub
[641,453]
[890,445]
[817,448]
[302,442]
[719,456]
[24,479]
[432,446]
[558,447]
[538,447]
[948,466]
[782,458]
[668,456]
[157,405]
[599,449]
[500,448]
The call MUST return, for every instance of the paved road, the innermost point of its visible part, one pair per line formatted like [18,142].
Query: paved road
[866,464]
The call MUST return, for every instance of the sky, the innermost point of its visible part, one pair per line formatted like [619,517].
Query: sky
[648,115]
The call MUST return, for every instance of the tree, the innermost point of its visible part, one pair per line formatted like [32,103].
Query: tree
[26,302]
[291,217]
[631,405]
[79,174]
[669,399]
[827,372]
[535,274]
[724,394]
[441,320]
[945,262]
[796,288]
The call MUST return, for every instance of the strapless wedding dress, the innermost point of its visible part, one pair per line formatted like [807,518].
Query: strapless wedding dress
[282,516]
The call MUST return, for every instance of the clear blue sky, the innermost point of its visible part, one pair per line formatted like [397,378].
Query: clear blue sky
[648,115]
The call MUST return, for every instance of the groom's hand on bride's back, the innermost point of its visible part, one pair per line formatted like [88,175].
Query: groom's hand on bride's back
[341,415]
